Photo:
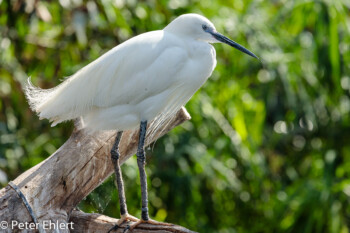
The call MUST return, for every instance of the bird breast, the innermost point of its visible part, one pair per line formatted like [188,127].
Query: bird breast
[202,62]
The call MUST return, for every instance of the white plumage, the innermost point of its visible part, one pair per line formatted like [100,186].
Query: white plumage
[149,76]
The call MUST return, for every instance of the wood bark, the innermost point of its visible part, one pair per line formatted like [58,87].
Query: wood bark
[99,223]
[55,186]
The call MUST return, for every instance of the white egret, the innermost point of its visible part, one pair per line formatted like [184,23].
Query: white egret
[147,77]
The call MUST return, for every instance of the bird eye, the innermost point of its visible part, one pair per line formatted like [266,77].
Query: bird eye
[205,27]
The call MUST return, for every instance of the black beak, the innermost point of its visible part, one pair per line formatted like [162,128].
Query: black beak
[226,40]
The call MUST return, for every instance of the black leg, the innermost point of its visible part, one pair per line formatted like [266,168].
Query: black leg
[141,162]
[118,175]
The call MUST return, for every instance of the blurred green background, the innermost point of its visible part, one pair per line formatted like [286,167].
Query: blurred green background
[267,149]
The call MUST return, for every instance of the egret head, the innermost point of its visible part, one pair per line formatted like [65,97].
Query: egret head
[200,28]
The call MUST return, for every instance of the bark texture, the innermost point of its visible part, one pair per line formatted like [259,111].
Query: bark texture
[55,186]
[100,223]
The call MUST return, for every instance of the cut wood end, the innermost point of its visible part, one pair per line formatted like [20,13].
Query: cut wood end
[183,112]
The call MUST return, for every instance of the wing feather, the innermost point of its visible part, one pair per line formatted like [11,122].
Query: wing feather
[127,74]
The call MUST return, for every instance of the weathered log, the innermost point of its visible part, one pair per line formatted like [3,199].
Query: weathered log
[55,186]
[84,222]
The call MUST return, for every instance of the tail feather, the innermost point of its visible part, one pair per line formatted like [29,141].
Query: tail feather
[35,95]
[38,97]
[42,101]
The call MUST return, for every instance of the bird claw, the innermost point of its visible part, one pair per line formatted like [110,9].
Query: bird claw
[114,228]
[126,228]
[123,218]
[149,221]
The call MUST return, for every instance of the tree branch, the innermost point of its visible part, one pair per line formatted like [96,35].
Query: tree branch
[55,186]
[84,222]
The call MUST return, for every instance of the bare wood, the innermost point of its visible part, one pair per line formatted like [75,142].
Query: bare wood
[84,222]
[55,186]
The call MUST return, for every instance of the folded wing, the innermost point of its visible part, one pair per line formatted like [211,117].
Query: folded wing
[140,67]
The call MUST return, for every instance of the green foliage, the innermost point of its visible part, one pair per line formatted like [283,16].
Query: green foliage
[267,147]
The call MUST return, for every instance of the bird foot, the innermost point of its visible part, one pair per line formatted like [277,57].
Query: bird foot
[149,221]
[124,218]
